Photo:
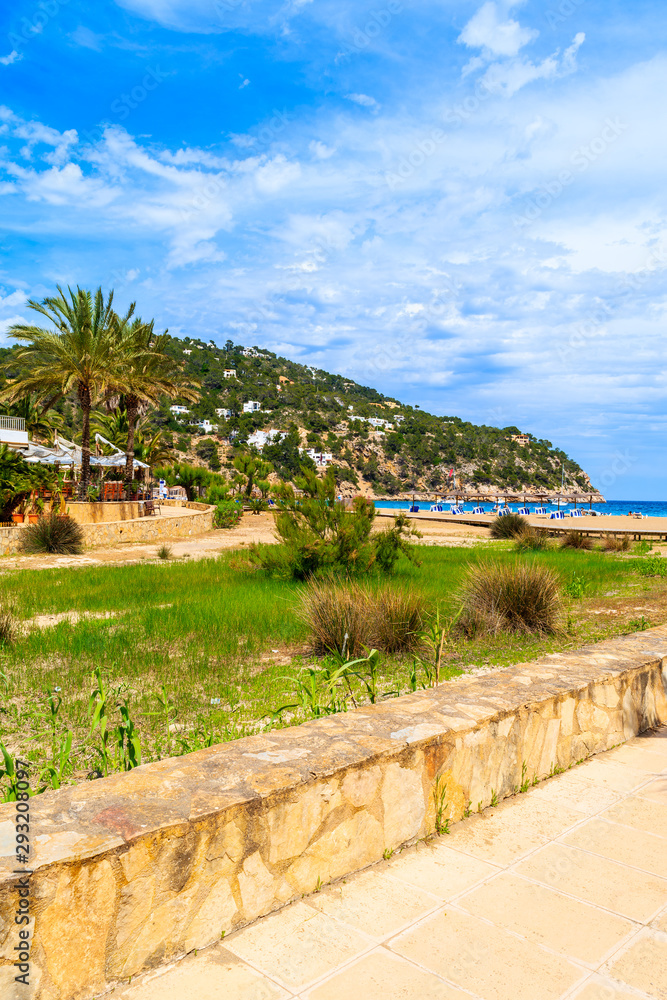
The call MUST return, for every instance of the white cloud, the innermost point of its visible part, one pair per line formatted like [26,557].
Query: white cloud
[87,39]
[13,57]
[487,30]
[363,99]
[509,77]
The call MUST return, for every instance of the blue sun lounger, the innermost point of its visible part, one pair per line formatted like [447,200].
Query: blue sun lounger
[523,510]
[557,515]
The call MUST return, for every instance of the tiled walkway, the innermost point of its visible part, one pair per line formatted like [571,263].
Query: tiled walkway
[557,893]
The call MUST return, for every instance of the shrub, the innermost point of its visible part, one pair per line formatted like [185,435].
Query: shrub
[164,552]
[390,543]
[575,540]
[53,533]
[653,566]
[227,514]
[513,597]
[509,526]
[317,533]
[532,540]
[611,544]
[348,618]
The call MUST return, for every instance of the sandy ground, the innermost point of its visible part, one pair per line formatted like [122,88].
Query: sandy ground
[253,528]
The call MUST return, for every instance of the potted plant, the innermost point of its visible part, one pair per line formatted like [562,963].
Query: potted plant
[18,514]
[36,509]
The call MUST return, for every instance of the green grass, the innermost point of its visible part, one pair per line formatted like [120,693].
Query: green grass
[206,630]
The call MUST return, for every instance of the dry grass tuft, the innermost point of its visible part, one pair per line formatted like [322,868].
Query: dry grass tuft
[611,544]
[532,540]
[511,597]
[508,526]
[575,540]
[347,618]
[53,533]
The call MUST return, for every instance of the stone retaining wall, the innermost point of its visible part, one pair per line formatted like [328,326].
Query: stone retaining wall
[134,529]
[135,870]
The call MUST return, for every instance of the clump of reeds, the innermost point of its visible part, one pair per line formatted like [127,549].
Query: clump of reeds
[508,526]
[532,539]
[575,540]
[512,597]
[53,532]
[164,552]
[349,617]
[8,625]
[611,544]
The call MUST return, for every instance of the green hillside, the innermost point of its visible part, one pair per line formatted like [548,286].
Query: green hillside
[330,413]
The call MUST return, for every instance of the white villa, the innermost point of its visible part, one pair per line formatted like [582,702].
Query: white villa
[222,412]
[252,406]
[181,411]
[229,373]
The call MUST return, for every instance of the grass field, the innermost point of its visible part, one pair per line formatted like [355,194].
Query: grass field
[204,652]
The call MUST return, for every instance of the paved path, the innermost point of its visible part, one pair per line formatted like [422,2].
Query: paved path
[557,893]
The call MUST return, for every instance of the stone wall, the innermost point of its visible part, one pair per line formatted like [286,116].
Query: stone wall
[135,870]
[135,529]
[94,513]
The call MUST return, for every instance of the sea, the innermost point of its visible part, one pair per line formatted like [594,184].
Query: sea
[651,508]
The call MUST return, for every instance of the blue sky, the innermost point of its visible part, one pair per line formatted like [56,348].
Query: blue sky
[460,203]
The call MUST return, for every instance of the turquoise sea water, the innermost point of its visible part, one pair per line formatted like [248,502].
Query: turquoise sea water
[653,508]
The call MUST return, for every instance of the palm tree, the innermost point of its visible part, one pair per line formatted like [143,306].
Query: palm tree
[151,374]
[152,450]
[83,355]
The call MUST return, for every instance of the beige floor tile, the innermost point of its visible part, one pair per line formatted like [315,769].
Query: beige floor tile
[660,922]
[631,893]
[644,965]
[517,826]
[619,777]
[656,742]
[486,960]
[439,869]
[571,791]
[630,847]
[212,975]
[635,811]
[656,791]
[568,926]
[297,945]
[603,989]
[374,903]
[384,976]
[638,757]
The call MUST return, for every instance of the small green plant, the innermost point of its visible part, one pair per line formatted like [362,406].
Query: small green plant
[387,853]
[10,792]
[494,798]
[576,587]
[639,548]
[440,800]
[60,763]
[639,624]
[97,710]
[164,552]
[128,745]
[437,634]
[468,811]
[256,505]
[53,533]
[524,783]
[167,710]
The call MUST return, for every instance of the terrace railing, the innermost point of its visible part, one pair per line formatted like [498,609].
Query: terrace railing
[12,423]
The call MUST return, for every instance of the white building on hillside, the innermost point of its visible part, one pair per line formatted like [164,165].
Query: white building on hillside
[252,406]
[222,412]
[320,458]
[260,438]
[180,411]
[229,373]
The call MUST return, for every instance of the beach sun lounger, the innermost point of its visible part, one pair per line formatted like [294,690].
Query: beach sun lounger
[523,510]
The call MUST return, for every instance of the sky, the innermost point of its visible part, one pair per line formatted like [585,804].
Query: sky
[461,204]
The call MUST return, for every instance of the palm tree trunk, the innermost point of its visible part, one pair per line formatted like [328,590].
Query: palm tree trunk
[132,409]
[85,403]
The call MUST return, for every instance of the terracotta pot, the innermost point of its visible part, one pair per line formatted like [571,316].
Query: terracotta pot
[17,518]
[33,518]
